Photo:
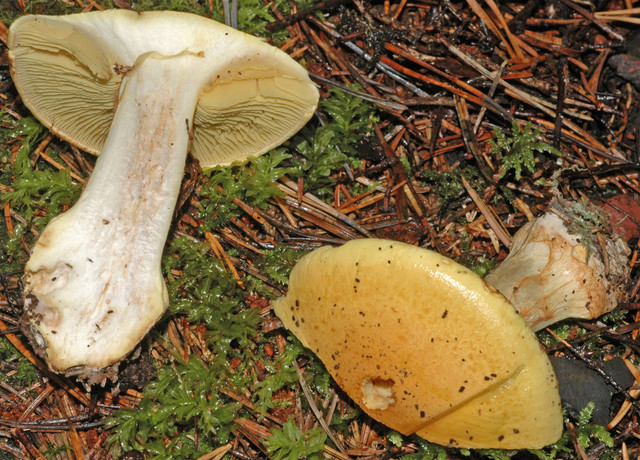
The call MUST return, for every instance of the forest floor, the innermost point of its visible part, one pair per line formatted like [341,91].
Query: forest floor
[442,124]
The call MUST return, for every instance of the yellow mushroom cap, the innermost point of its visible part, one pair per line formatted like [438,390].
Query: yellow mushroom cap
[424,345]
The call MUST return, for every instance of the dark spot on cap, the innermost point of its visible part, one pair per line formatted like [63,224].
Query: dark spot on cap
[444,315]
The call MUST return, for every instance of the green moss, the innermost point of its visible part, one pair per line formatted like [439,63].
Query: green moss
[33,188]
[471,259]
[585,220]
[282,373]
[587,434]
[183,399]
[292,443]
[448,184]
[518,151]
[278,263]
[52,452]
[25,374]
[252,183]
[427,450]
[322,150]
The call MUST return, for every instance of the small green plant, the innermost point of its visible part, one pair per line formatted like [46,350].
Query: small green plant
[587,432]
[428,450]
[23,372]
[183,400]
[253,183]
[585,221]
[352,119]
[52,452]
[282,373]
[448,184]
[277,263]
[471,258]
[292,443]
[325,149]
[31,188]
[518,151]
[321,155]
[394,438]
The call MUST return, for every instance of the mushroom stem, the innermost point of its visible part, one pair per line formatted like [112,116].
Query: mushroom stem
[552,273]
[93,285]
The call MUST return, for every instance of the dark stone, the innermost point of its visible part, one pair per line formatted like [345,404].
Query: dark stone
[580,385]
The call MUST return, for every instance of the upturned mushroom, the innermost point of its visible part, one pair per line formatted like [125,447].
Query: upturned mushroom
[553,272]
[424,345]
[140,90]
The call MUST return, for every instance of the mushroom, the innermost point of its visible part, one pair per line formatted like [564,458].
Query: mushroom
[140,90]
[423,345]
[553,272]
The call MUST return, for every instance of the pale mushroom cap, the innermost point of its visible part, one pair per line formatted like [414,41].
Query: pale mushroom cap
[68,70]
[424,345]
[550,275]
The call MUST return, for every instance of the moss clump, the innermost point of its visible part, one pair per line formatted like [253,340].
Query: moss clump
[518,151]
